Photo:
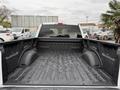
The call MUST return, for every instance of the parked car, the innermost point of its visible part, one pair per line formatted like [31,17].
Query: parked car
[6,35]
[84,32]
[33,34]
[110,35]
[21,33]
[103,35]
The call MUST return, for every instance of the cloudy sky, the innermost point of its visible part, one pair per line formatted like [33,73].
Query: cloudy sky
[69,11]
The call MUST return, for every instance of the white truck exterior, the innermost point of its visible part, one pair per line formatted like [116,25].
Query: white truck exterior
[21,32]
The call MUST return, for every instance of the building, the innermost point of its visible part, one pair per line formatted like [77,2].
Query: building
[31,21]
[89,27]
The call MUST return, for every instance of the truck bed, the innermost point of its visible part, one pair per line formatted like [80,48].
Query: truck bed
[59,67]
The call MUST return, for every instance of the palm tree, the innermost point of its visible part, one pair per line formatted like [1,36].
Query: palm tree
[111,16]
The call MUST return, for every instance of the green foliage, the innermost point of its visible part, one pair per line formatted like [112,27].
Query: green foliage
[6,24]
[4,14]
[0,20]
[110,15]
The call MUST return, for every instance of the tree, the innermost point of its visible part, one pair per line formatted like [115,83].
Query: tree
[111,16]
[6,24]
[4,14]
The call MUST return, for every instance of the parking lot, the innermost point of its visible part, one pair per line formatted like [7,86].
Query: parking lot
[25,33]
[10,34]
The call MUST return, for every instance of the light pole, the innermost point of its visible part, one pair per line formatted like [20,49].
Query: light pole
[87,19]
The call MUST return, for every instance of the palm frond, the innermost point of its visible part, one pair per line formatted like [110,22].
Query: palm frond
[111,12]
[111,15]
[112,5]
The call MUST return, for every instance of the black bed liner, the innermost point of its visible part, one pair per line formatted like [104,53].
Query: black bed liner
[59,67]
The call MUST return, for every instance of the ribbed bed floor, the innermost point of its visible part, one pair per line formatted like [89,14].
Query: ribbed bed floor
[59,67]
